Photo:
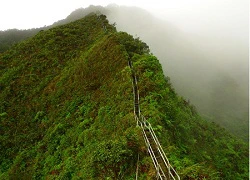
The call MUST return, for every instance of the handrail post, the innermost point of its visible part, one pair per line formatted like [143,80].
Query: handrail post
[157,172]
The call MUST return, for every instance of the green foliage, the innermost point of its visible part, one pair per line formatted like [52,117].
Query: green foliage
[12,36]
[111,156]
[132,45]
[66,111]
[196,148]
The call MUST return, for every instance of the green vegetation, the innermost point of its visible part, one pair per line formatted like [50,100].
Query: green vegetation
[221,96]
[10,37]
[66,111]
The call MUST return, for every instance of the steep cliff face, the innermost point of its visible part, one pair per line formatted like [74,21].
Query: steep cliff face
[66,111]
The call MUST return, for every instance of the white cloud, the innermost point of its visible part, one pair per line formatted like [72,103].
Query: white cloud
[189,14]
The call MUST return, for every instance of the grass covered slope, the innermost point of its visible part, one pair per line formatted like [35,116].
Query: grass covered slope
[66,111]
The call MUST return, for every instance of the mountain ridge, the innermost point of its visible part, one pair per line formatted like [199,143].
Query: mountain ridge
[204,79]
[67,111]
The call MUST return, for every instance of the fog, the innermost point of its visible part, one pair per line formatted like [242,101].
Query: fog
[201,44]
[207,62]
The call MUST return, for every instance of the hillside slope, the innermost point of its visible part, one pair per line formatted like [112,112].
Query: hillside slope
[218,90]
[66,111]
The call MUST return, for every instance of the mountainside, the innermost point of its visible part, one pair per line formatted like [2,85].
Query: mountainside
[200,71]
[66,111]
[212,74]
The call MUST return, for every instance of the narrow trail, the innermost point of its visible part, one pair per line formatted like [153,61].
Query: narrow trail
[164,170]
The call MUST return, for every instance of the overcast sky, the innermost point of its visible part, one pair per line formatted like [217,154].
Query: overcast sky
[191,15]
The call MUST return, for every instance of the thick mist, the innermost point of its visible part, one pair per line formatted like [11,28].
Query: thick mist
[210,69]
[205,53]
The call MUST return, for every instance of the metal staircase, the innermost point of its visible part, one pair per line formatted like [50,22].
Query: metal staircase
[164,170]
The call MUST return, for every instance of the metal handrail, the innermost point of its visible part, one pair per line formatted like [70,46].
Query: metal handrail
[141,120]
[136,94]
[157,142]
[152,154]
[162,153]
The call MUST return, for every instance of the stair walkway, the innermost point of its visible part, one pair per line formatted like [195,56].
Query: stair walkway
[164,170]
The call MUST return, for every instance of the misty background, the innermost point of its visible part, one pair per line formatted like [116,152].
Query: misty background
[208,68]
[202,48]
